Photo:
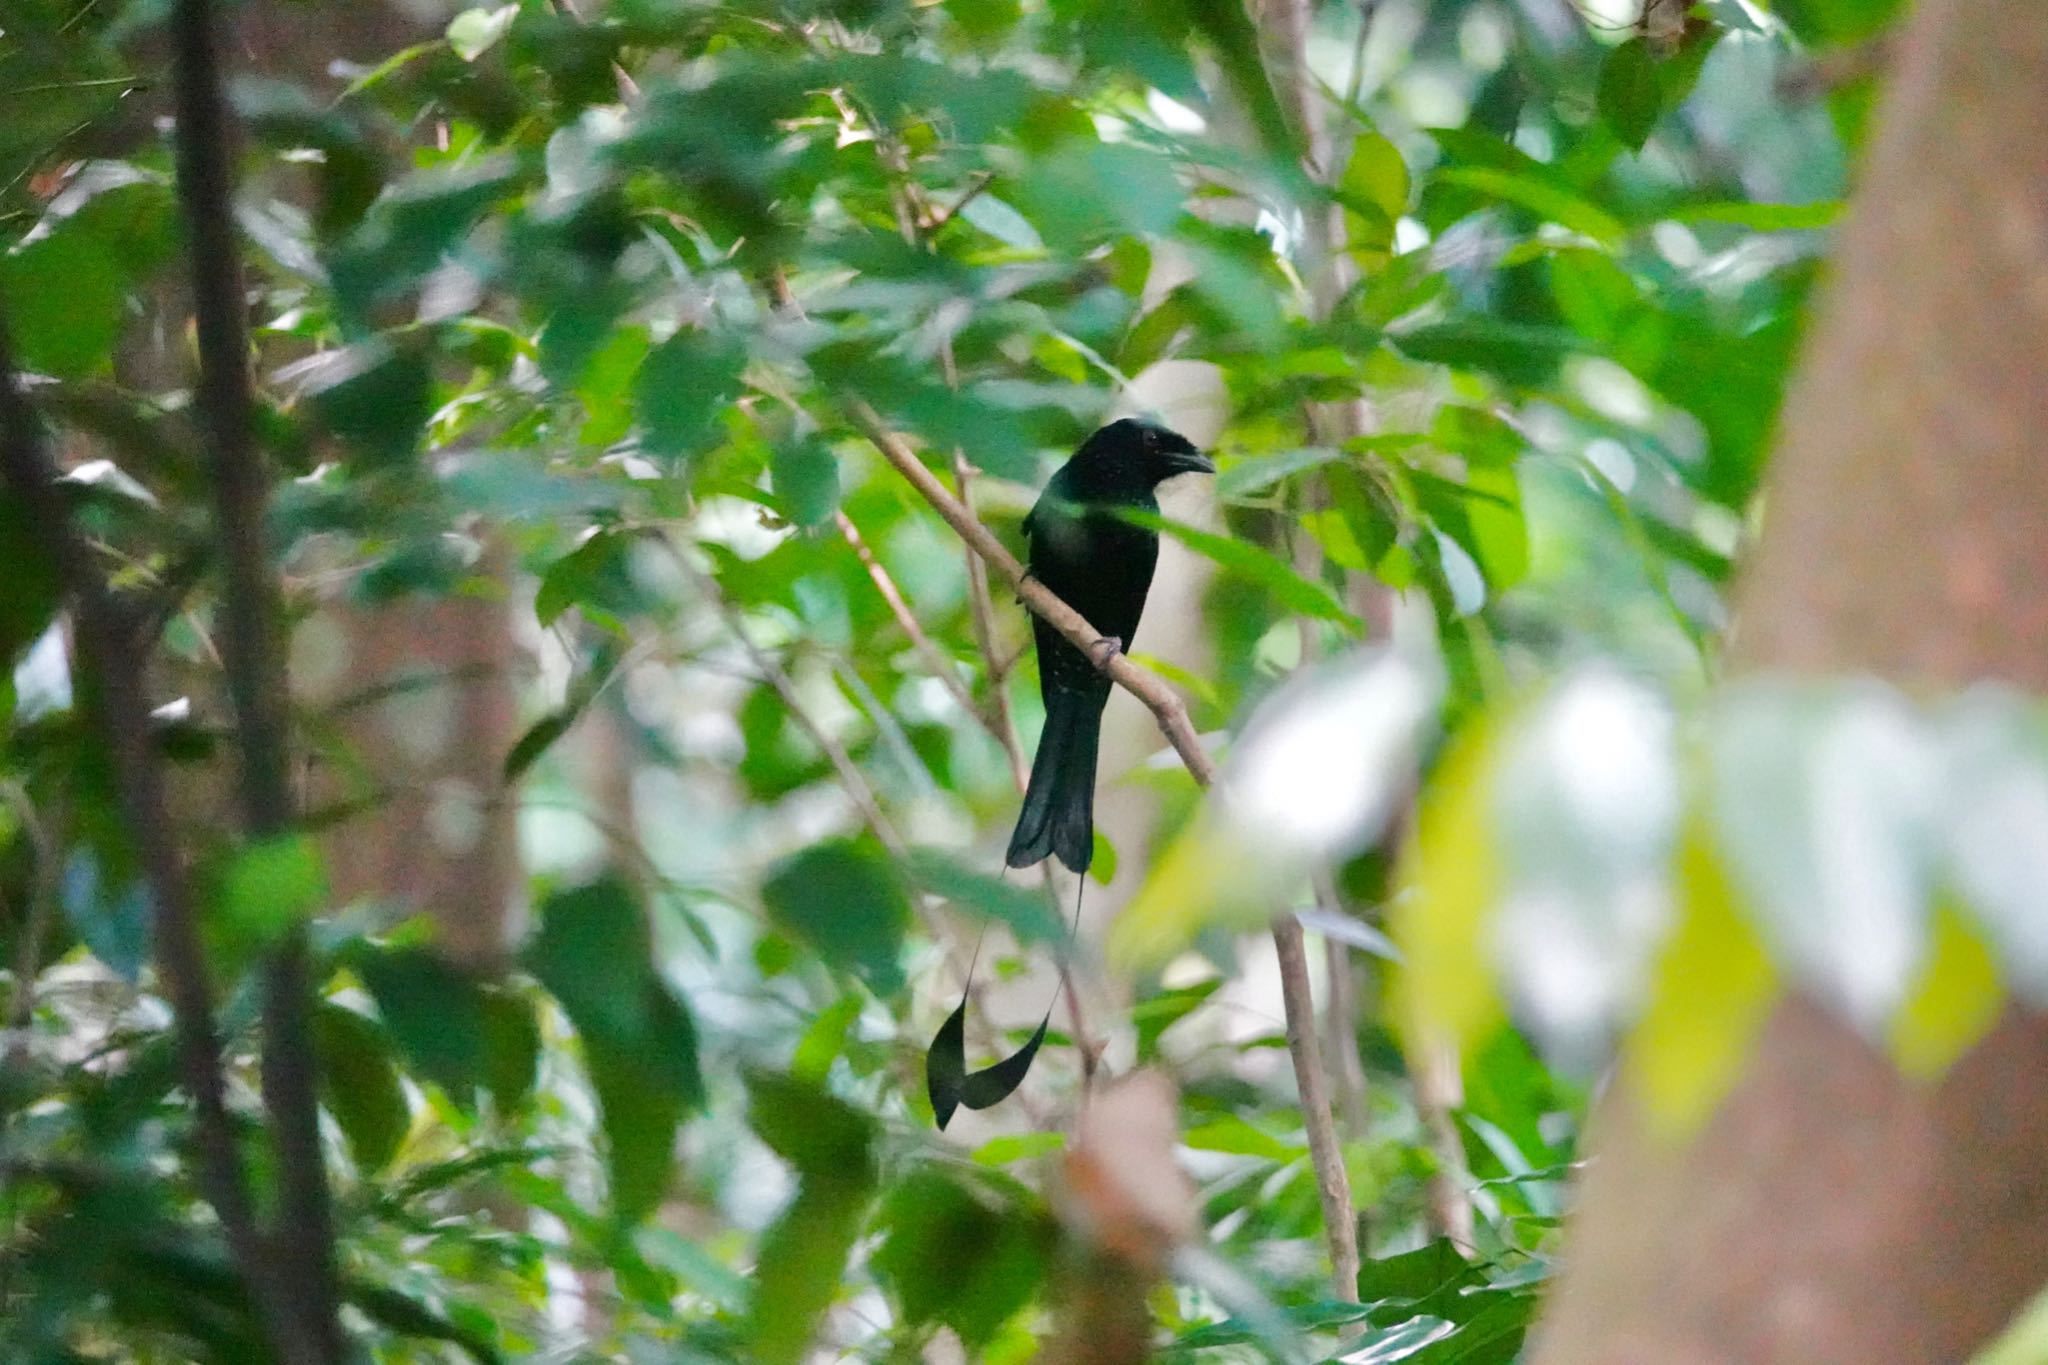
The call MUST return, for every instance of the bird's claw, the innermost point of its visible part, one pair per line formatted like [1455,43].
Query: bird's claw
[1105,649]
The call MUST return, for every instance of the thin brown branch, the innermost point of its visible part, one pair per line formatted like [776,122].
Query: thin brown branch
[1304,1047]
[304,1263]
[851,779]
[941,667]
[981,610]
[119,709]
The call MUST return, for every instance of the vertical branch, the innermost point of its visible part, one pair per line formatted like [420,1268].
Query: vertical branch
[251,653]
[114,698]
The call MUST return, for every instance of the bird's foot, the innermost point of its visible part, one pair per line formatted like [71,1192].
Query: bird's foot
[1105,649]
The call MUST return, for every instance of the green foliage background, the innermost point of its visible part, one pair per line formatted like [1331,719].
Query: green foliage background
[596,287]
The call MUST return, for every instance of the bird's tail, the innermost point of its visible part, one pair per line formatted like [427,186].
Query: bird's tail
[1059,803]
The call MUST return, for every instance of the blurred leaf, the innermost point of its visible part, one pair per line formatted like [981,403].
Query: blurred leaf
[1027,913]
[1540,195]
[113,920]
[804,1254]
[849,903]
[433,1009]
[805,475]
[682,385]
[1517,353]
[359,1085]
[1632,92]
[951,1253]
[383,402]
[511,1048]
[63,285]
[1710,995]
[474,31]
[1952,1006]
[1255,565]
[1763,217]
[1155,1014]
[1233,1135]
[33,589]
[1452,872]
[1374,192]
[594,954]
[270,886]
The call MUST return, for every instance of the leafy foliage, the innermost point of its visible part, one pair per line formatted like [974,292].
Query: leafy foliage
[563,310]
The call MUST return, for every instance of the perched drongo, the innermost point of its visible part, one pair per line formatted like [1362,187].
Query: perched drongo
[1101,565]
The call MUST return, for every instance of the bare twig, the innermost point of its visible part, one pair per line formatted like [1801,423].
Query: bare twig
[981,610]
[255,665]
[120,711]
[935,659]
[1304,1047]
[851,779]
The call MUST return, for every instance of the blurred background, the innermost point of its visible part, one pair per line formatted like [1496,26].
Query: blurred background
[653,741]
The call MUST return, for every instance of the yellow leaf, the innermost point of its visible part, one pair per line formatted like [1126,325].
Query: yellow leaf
[1712,989]
[1450,875]
[1207,877]
[1953,1005]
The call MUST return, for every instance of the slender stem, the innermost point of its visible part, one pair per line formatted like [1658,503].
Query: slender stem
[851,779]
[935,659]
[119,710]
[981,609]
[1304,1047]
[254,660]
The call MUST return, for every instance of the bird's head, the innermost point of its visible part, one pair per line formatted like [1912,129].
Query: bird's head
[1139,455]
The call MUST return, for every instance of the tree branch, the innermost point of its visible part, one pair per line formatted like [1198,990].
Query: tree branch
[119,709]
[254,662]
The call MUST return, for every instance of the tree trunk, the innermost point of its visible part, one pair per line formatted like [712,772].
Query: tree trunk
[1833,1211]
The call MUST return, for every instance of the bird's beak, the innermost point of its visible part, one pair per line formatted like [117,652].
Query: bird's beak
[1189,462]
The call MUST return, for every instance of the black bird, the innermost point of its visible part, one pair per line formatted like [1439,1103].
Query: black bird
[1101,565]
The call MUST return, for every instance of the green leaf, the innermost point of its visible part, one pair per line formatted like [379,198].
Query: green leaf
[955,1253]
[382,404]
[1155,1014]
[33,591]
[1026,911]
[1374,192]
[270,886]
[594,954]
[1254,565]
[805,476]
[1631,96]
[595,577]
[683,385]
[435,1011]
[64,287]
[1541,196]
[803,1257]
[1517,353]
[475,31]
[359,1085]
[1822,213]
[511,1047]
[1233,1135]
[847,901]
